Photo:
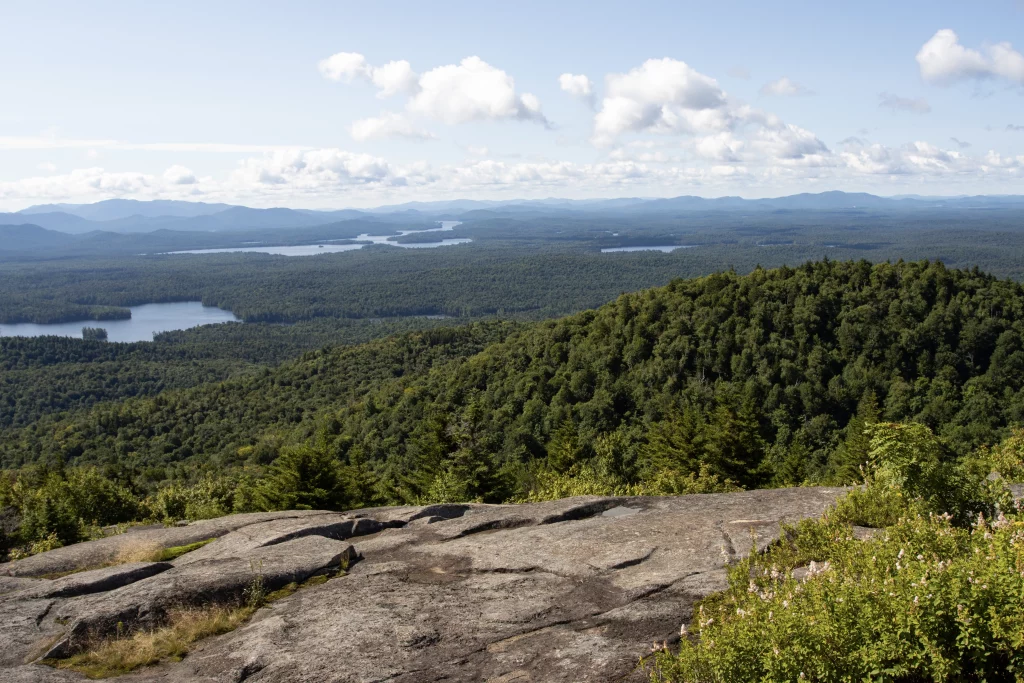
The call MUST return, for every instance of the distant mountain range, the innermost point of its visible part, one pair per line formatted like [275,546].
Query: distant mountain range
[132,216]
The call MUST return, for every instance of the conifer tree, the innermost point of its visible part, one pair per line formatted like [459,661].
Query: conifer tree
[853,452]
[302,478]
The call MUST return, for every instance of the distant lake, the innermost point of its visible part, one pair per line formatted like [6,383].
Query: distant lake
[666,249]
[146,320]
[325,247]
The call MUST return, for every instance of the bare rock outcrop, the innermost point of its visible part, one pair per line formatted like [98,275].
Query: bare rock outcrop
[570,590]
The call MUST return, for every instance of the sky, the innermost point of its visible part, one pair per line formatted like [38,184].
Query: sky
[355,104]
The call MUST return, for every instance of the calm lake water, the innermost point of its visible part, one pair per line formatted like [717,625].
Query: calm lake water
[326,247]
[665,249]
[146,320]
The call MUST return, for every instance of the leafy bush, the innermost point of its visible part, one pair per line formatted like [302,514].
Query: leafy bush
[925,602]
[932,597]
[64,504]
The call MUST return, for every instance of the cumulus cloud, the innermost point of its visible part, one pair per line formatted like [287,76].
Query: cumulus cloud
[720,147]
[661,95]
[1014,128]
[579,86]
[962,144]
[390,79]
[791,144]
[47,167]
[388,125]
[944,61]
[85,182]
[471,90]
[179,175]
[917,105]
[331,167]
[784,87]
[915,158]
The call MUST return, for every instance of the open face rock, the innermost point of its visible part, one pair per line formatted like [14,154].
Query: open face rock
[571,590]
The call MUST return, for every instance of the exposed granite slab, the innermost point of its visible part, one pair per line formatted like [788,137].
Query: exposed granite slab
[572,590]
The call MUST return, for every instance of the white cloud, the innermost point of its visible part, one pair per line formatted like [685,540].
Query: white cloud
[579,86]
[996,160]
[789,144]
[81,183]
[784,87]
[394,78]
[179,175]
[917,105]
[388,125]
[472,90]
[720,147]
[661,95]
[47,167]
[916,158]
[391,79]
[345,66]
[321,167]
[943,61]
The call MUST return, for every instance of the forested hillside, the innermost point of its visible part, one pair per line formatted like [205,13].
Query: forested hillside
[46,375]
[761,378]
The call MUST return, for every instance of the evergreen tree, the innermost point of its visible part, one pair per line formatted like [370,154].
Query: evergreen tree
[675,443]
[565,450]
[361,482]
[853,452]
[302,478]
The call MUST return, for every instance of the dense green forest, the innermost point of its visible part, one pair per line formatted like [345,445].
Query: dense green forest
[757,377]
[44,375]
[534,266]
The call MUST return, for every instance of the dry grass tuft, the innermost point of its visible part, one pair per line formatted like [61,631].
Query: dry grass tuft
[107,657]
[117,656]
[139,551]
[142,551]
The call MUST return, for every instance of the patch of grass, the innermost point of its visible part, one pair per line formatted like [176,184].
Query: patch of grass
[138,552]
[120,655]
[174,552]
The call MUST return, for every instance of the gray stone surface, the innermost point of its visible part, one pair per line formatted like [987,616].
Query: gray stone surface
[556,591]
[145,603]
[9,584]
[94,581]
[97,553]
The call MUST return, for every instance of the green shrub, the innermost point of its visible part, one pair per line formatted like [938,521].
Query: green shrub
[302,478]
[911,459]
[934,596]
[928,601]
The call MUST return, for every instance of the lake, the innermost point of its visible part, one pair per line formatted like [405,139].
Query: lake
[666,249]
[325,247]
[146,320]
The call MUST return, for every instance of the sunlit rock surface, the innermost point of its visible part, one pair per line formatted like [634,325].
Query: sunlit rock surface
[570,590]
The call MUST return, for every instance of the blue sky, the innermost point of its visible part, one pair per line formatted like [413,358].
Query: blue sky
[355,104]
